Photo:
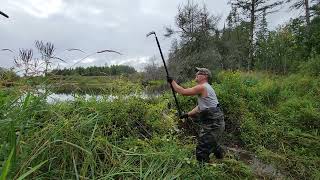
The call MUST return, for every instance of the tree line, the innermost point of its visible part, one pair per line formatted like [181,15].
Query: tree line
[96,71]
[245,42]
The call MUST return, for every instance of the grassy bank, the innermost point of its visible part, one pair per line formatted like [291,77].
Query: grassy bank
[275,117]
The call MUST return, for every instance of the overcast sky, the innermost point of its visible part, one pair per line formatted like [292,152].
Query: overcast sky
[93,25]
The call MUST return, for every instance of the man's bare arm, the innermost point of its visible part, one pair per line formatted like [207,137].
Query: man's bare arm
[194,111]
[189,91]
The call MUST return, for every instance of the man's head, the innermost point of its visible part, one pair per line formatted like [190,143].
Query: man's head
[203,75]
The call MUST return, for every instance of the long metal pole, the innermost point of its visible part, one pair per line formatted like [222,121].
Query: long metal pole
[3,14]
[165,66]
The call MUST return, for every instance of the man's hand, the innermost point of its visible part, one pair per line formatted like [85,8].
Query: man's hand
[169,79]
[184,116]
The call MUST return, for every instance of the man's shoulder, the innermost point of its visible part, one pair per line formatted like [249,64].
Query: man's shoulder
[199,87]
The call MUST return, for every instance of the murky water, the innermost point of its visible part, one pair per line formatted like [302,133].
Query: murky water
[54,98]
[261,169]
[63,97]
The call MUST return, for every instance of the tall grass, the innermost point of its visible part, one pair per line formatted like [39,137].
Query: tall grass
[274,116]
[126,138]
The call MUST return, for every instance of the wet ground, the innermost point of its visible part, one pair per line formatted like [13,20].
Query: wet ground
[261,170]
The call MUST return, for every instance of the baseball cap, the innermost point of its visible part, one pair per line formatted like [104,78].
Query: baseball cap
[204,71]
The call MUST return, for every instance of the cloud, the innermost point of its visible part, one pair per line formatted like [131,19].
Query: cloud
[137,62]
[38,8]
[88,61]
[151,7]
[93,25]
[90,15]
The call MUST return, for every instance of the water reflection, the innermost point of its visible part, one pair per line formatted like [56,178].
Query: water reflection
[55,97]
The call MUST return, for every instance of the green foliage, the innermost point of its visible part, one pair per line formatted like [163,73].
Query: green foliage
[312,67]
[277,114]
[238,46]
[277,117]
[7,165]
[234,44]
[125,138]
[277,53]
[7,77]
[314,37]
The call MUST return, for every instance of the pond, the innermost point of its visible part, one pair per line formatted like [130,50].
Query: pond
[62,97]
[53,98]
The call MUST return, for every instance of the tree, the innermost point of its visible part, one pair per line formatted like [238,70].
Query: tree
[262,33]
[96,71]
[314,40]
[233,18]
[197,31]
[194,24]
[152,71]
[262,36]
[234,43]
[298,4]
[254,9]
[315,8]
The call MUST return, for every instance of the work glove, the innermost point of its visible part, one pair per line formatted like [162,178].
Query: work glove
[184,116]
[169,79]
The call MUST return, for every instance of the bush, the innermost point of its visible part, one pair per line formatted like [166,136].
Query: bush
[311,67]
[278,113]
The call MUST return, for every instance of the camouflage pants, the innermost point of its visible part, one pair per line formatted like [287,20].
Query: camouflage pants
[211,128]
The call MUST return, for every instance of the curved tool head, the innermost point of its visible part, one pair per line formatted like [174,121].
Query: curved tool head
[108,50]
[6,50]
[152,32]
[74,49]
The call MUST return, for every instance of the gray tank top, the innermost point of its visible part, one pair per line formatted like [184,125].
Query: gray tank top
[210,101]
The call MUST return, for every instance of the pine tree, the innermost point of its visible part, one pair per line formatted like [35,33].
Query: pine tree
[253,9]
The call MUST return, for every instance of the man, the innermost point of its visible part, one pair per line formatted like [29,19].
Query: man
[211,116]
